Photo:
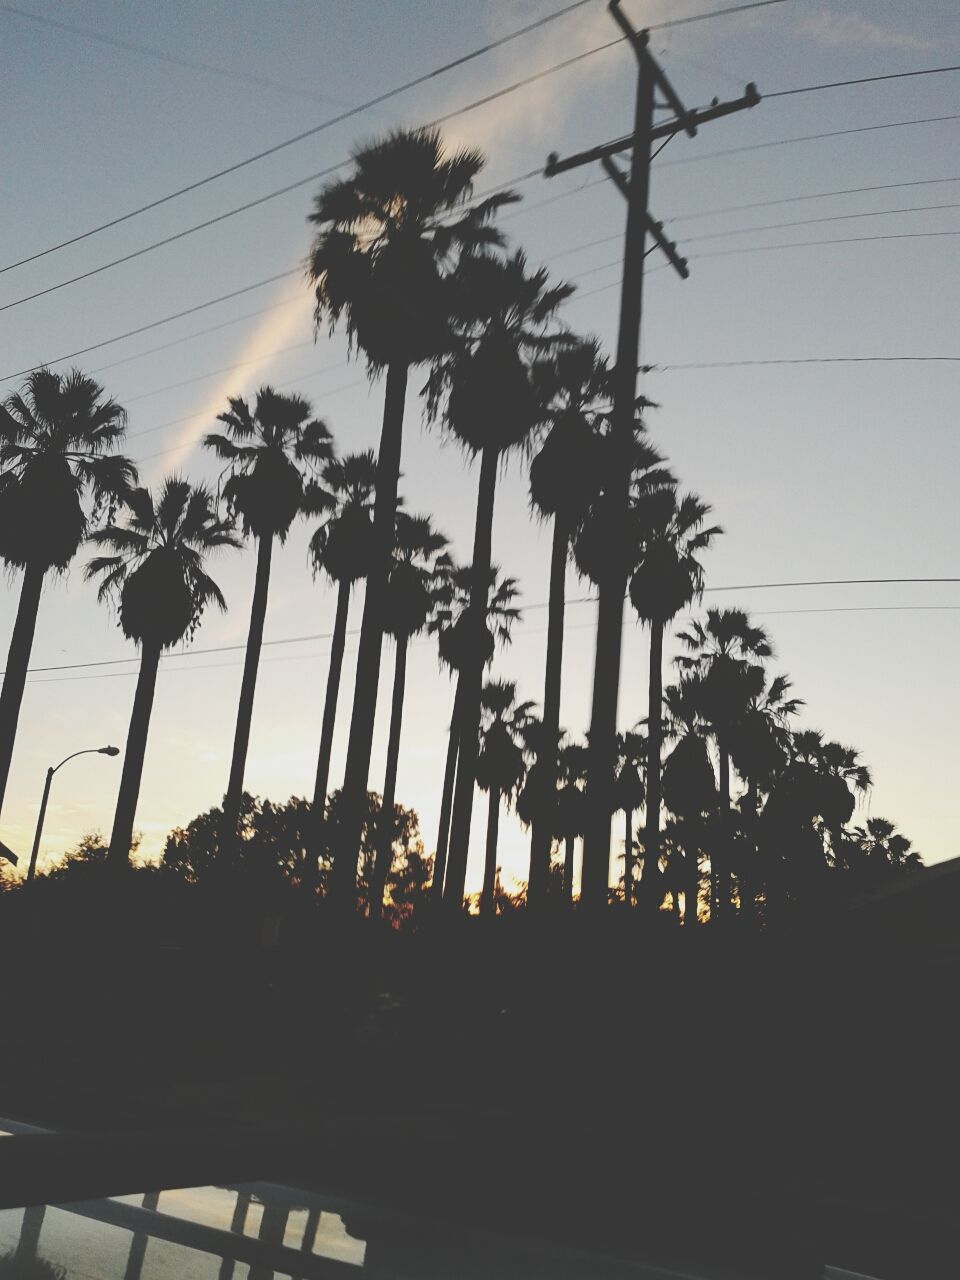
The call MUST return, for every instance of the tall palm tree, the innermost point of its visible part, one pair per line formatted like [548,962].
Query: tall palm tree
[759,749]
[668,578]
[461,643]
[342,548]
[270,449]
[689,788]
[501,767]
[504,317]
[563,484]
[411,595]
[725,652]
[388,236]
[58,470]
[630,793]
[157,579]
[606,549]
[571,811]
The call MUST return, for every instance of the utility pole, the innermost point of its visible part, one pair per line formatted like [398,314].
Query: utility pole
[612,589]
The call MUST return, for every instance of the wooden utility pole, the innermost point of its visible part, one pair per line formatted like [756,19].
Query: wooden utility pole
[612,590]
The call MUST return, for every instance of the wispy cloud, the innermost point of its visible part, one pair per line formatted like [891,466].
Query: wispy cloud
[850,29]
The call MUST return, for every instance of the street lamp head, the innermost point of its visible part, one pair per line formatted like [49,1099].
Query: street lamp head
[108,751]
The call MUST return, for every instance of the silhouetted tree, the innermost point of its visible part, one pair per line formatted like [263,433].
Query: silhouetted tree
[606,549]
[724,652]
[689,786]
[501,767]
[268,448]
[157,579]
[388,236]
[58,471]
[412,592]
[563,482]
[484,391]
[571,811]
[462,643]
[342,548]
[667,579]
[629,795]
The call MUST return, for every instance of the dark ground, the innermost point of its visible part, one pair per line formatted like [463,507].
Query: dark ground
[810,1079]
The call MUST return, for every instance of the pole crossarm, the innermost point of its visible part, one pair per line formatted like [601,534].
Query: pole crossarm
[655,228]
[699,116]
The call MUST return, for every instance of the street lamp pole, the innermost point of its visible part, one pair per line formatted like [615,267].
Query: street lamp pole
[102,751]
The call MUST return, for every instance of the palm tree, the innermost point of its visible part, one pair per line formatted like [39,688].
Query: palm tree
[380,261]
[489,403]
[501,767]
[342,548]
[689,789]
[563,482]
[629,794]
[606,548]
[157,578]
[268,448]
[725,653]
[571,808]
[460,645]
[58,470]
[760,750]
[668,578]
[411,596]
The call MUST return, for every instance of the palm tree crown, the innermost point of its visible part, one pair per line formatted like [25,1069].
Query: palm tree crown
[669,575]
[57,442]
[389,235]
[157,565]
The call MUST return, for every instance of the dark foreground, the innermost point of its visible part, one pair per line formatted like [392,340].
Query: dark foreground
[724,1091]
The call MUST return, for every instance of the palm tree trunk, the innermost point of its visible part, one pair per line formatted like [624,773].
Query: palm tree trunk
[248,688]
[568,852]
[487,904]
[472,677]
[122,835]
[691,891]
[721,874]
[651,839]
[446,799]
[329,721]
[746,888]
[602,758]
[343,878]
[628,857]
[381,868]
[541,839]
[15,672]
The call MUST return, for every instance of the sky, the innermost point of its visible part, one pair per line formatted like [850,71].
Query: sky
[815,471]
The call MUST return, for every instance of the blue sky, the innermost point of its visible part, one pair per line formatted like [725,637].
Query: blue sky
[815,471]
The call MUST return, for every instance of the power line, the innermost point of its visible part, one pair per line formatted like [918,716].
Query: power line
[842,84]
[479,102]
[808,137]
[306,133]
[809,222]
[814,195]
[540,604]
[806,244]
[155,324]
[173,59]
[737,364]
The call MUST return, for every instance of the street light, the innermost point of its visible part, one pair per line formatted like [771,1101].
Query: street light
[101,751]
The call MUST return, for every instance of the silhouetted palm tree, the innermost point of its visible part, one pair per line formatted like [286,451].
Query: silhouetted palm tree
[563,481]
[342,548]
[269,448]
[629,794]
[501,767]
[489,403]
[689,785]
[571,811]
[725,652]
[411,596]
[379,261]
[57,440]
[606,549]
[668,578]
[461,644]
[157,578]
